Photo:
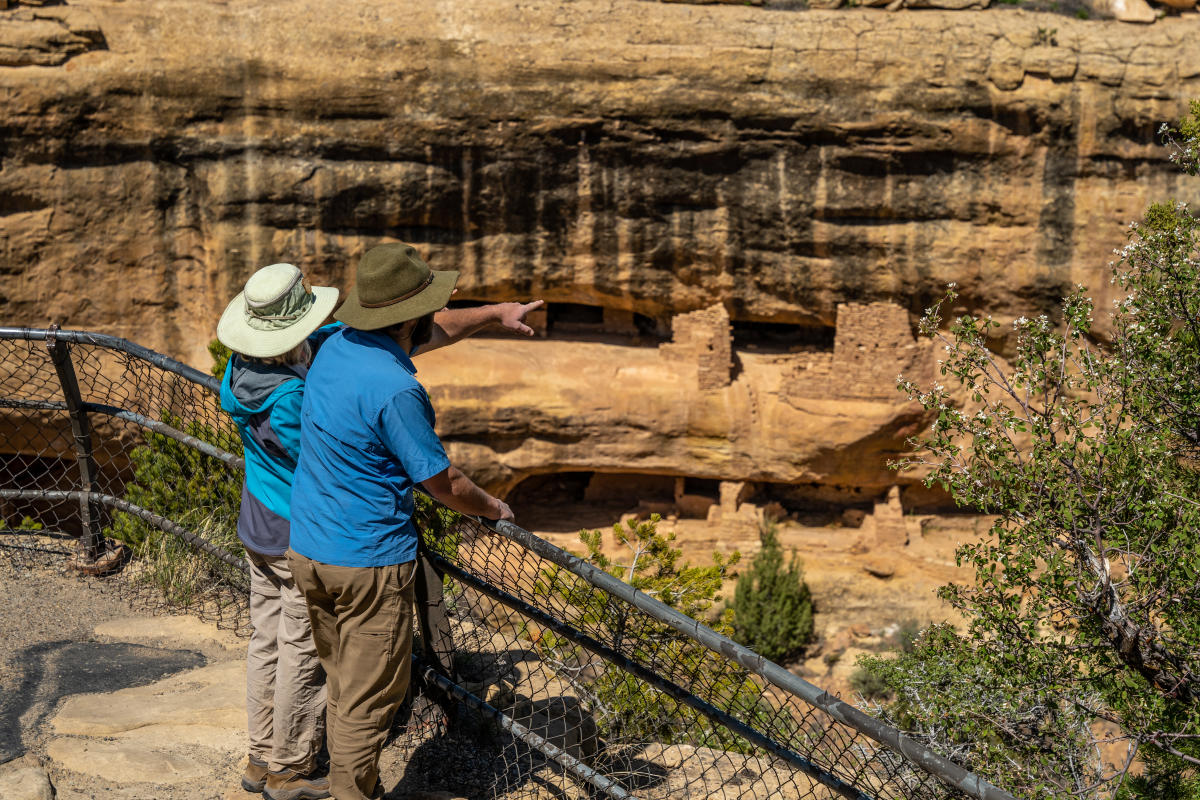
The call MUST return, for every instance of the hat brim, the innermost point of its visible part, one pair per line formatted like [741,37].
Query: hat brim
[234,333]
[433,298]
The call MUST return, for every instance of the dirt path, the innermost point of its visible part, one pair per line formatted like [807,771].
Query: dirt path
[103,702]
[110,702]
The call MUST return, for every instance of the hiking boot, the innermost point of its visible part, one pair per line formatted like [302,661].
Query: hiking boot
[255,776]
[291,785]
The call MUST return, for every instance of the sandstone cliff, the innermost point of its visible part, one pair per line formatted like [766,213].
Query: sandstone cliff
[803,426]
[629,157]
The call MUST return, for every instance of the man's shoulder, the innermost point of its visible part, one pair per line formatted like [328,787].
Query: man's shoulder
[358,365]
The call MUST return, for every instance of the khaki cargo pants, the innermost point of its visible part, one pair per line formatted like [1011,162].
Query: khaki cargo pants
[285,685]
[362,621]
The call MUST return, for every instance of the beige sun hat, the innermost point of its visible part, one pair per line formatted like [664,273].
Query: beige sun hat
[275,312]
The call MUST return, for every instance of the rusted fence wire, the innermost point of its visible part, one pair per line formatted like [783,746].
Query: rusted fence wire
[551,677]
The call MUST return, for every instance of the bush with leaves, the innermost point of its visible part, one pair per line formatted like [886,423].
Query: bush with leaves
[1078,674]
[220,355]
[772,606]
[193,490]
[626,708]
[867,680]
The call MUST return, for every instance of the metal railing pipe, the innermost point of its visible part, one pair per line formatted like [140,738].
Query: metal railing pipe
[116,343]
[670,688]
[157,520]
[224,456]
[938,766]
[552,751]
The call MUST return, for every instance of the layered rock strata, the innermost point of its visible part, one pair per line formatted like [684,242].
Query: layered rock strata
[641,160]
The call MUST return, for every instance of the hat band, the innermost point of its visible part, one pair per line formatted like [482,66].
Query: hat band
[290,308]
[428,280]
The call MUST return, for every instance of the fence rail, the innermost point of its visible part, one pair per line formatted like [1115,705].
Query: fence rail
[577,683]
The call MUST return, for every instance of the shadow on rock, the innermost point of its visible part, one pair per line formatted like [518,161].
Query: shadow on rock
[45,673]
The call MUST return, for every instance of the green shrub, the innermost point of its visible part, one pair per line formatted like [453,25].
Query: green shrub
[906,635]
[220,356]
[193,490]
[869,683]
[627,708]
[772,606]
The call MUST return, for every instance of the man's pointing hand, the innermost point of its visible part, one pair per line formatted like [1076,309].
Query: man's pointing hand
[512,315]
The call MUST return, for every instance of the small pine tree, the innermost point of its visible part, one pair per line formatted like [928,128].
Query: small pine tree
[772,606]
[627,708]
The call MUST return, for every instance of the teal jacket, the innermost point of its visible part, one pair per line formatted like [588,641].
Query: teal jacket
[265,405]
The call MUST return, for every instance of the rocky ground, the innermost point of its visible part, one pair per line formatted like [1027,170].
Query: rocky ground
[102,701]
[98,700]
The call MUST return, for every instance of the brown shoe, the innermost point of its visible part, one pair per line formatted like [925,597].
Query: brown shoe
[255,776]
[290,785]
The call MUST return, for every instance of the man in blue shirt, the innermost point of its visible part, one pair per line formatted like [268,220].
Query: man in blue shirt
[366,440]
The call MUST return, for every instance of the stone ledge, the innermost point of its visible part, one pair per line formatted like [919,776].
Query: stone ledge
[46,36]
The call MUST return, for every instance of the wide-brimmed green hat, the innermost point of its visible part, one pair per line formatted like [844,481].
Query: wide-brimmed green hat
[276,311]
[394,285]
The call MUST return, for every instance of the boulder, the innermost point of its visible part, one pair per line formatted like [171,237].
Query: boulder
[25,779]
[124,762]
[201,699]
[562,721]
[1125,10]
[47,37]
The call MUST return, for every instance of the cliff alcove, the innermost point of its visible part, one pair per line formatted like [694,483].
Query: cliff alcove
[733,212]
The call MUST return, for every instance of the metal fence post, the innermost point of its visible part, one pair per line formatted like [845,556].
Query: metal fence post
[81,431]
[436,639]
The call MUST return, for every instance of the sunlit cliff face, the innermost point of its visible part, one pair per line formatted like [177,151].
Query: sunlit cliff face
[632,164]
[811,421]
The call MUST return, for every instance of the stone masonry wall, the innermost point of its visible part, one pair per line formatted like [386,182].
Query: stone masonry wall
[705,337]
[873,344]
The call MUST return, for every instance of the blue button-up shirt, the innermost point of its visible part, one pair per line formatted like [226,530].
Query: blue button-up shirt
[366,438]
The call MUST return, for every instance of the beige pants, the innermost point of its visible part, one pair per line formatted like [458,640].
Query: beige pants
[285,684]
[362,621]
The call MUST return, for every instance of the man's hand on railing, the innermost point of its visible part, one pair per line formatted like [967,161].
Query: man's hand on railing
[502,511]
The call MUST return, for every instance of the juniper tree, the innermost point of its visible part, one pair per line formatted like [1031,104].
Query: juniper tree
[772,605]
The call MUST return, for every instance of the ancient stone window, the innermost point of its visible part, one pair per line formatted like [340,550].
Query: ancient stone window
[568,501]
[586,322]
[567,317]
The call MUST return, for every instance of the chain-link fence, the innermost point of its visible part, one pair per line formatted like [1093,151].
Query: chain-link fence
[539,675]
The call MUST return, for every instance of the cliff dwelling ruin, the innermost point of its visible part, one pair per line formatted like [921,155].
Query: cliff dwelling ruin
[752,382]
[732,240]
